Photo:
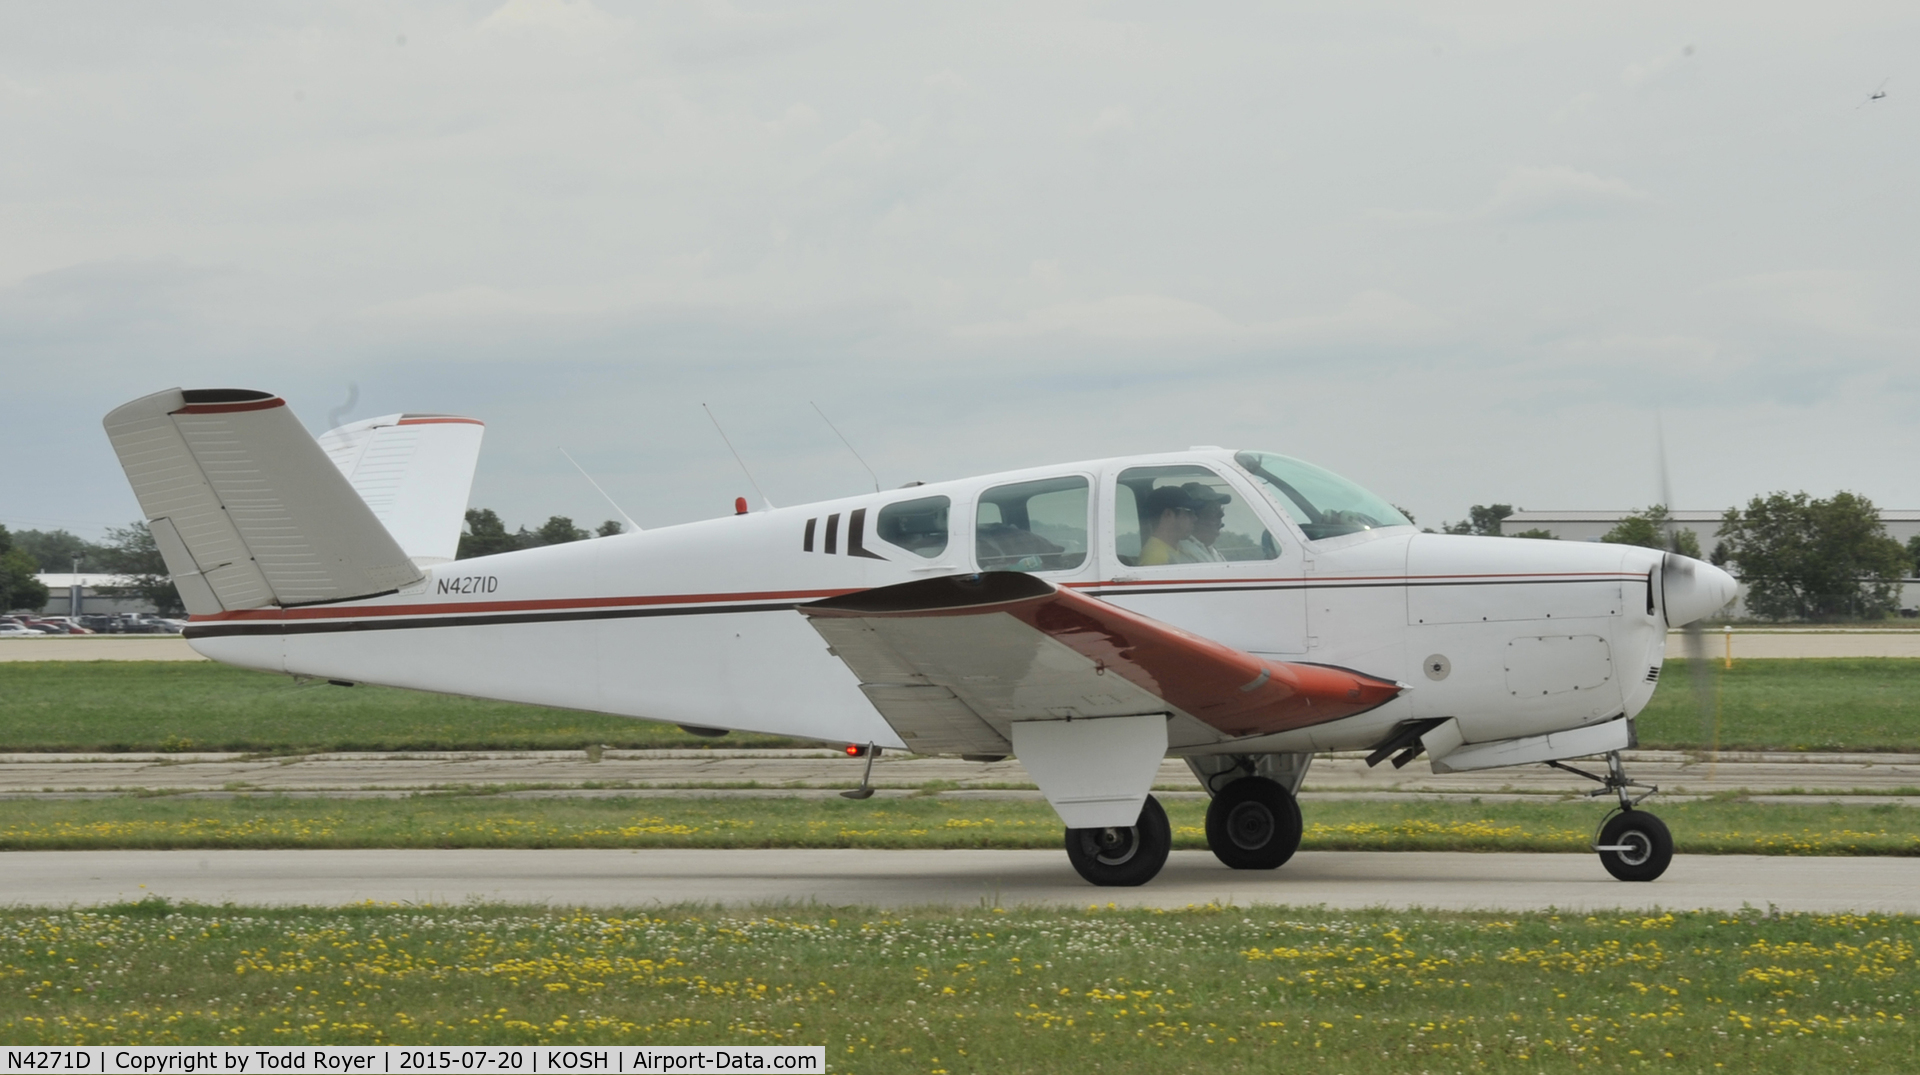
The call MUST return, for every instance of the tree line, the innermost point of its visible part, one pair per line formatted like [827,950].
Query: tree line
[485,534]
[129,553]
[1801,557]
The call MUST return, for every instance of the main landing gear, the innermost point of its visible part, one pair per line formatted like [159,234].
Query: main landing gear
[1633,845]
[1122,857]
[1253,824]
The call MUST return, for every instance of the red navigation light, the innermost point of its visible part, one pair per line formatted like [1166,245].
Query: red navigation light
[739,505]
[855,750]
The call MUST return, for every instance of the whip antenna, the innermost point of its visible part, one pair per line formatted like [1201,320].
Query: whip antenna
[845,441]
[736,456]
[597,489]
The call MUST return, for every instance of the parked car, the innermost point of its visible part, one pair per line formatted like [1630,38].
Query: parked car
[14,630]
[58,625]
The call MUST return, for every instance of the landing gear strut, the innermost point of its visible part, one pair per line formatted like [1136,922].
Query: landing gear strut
[1632,844]
[1122,857]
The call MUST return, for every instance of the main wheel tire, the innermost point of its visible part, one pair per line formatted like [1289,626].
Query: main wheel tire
[1119,857]
[1645,846]
[1253,824]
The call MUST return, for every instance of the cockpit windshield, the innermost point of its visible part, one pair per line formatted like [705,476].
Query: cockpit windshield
[1323,503]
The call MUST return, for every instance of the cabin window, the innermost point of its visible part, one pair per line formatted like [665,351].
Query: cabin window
[1033,526]
[1185,515]
[918,526]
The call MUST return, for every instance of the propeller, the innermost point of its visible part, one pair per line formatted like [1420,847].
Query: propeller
[1690,592]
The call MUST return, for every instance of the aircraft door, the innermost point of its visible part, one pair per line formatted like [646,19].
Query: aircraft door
[1189,546]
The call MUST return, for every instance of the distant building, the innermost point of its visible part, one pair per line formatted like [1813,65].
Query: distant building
[61,587]
[1591,525]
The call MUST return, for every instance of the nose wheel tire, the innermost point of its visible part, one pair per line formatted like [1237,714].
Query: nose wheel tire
[1253,824]
[1123,856]
[1635,846]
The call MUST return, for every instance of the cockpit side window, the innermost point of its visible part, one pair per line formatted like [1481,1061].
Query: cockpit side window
[918,526]
[1033,526]
[1185,514]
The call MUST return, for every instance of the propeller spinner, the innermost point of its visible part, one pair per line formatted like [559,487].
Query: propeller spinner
[1691,590]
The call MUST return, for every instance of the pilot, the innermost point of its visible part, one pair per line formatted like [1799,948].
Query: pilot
[1209,516]
[1168,517]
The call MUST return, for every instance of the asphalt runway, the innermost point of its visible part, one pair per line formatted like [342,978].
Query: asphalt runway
[837,878]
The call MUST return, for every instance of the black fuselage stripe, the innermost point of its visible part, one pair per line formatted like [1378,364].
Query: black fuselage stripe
[413,623]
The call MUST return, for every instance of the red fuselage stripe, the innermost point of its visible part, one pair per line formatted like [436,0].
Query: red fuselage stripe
[444,608]
[348,612]
[229,408]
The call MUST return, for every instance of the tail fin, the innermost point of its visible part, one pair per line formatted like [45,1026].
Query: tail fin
[247,510]
[414,471]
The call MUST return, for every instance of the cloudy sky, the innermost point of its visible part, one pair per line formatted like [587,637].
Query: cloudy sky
[1461,253]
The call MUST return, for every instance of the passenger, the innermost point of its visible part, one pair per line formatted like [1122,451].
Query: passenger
[1209,517]
[1168,518]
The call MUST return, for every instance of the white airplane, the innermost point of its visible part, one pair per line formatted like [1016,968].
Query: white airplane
[1240,610]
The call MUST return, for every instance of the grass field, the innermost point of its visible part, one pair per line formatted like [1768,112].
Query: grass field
[179,705]
[1808,704]
[1720,826]
[944,992]
[1865,703]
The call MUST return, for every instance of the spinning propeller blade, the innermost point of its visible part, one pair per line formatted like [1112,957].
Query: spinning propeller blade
[1677,566]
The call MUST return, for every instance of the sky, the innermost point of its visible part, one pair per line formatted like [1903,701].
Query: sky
[1463,253]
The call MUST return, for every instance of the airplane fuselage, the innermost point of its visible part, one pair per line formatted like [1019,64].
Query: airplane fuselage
[696,625]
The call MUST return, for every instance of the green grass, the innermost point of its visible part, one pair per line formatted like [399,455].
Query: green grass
[182,705]
[1717,826]
[1865,704]
[935,992]
[1851,703]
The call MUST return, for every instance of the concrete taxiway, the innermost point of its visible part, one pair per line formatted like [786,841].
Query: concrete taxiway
[25,775]
[1342,879]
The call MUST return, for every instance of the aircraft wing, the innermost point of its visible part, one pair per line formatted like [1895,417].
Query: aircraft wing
[953,663]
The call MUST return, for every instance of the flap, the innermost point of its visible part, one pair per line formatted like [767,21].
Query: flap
[1012,648]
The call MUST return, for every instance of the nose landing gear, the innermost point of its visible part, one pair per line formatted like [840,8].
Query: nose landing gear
[1632,844]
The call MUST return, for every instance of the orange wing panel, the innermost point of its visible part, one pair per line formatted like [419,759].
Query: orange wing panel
[1235,692]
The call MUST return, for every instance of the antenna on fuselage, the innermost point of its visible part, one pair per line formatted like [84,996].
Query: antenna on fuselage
[597,489]
[736,456]
[845,441]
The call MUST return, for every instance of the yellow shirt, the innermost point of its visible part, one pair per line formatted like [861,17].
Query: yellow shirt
[1156,552]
